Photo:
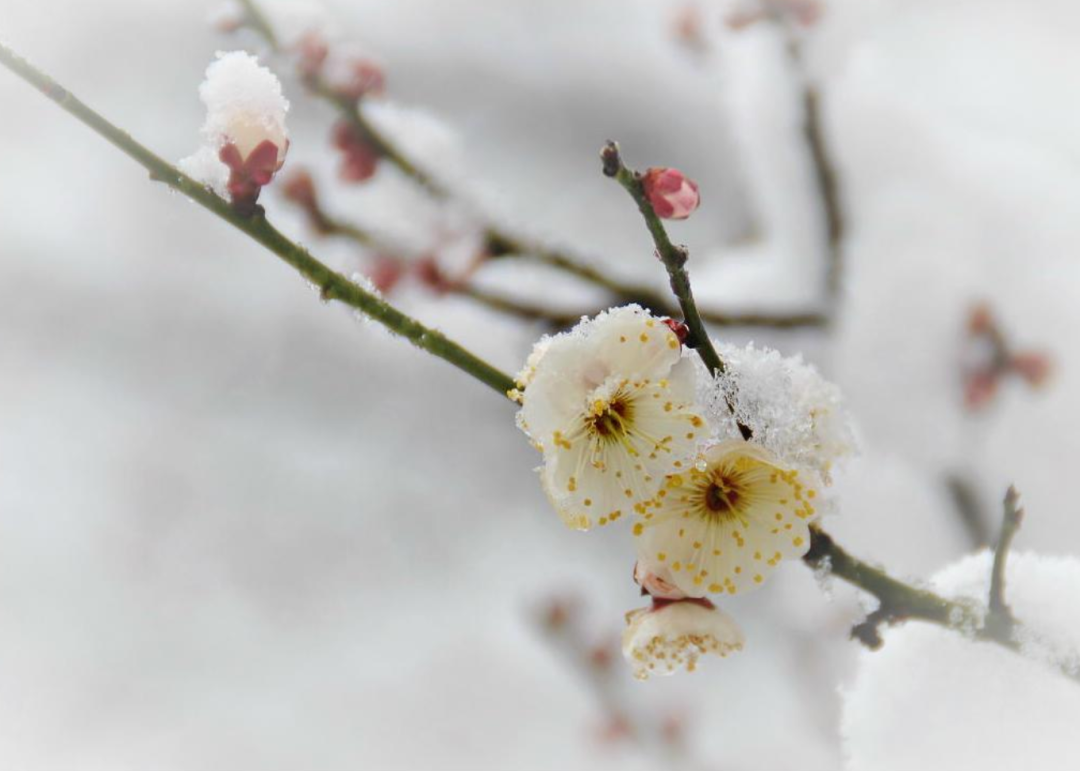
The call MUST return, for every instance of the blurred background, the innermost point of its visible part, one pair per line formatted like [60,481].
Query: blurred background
[241,529]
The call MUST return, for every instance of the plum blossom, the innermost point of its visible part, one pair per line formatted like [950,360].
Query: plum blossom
[610,404]
[669,636]
[724,524]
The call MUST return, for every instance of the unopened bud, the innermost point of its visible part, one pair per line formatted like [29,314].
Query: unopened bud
[679,328]
[1035,368]
[672,194]
[359,160]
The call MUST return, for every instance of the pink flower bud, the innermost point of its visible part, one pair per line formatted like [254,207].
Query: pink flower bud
[311,52]
[299,188]
[386,273]
[249,174]
[1033,367]
[359,160]
[365,78]
[672,194]
[680,329]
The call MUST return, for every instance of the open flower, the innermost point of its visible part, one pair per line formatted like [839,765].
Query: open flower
[723,525]
[669,636]
[610,405]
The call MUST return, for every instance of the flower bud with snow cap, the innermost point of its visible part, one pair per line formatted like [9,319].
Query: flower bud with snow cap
[672,194]
[244,129]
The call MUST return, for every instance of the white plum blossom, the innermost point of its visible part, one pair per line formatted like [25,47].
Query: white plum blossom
[610,404]
[725,523]
[245,127]
[669,636]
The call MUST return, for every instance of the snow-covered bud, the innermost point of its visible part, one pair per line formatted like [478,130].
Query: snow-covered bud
[244,128]
[657,584]
[672,194]
[359,159]
[669,636]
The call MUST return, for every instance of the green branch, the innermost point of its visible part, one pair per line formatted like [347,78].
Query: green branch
[331,285]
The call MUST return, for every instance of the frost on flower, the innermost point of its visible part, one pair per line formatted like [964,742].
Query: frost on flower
[793,412]
[244,128]
[935,699]
[669,636]
[724,524]
[610,404]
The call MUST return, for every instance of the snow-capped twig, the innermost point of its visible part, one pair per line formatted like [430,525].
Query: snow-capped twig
[1000,617]
[331,285]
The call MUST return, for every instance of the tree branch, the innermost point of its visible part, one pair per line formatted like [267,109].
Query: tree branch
[331,285]
[501,243]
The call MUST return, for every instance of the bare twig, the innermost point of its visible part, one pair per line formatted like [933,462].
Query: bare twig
[1000,617]
[968,509]
[674,260]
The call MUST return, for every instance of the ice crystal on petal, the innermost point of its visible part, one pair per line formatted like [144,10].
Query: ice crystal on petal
[669,636]
[611,406]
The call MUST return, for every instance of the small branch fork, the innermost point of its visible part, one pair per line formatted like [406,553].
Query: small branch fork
[499,242]
[674,260]
[898,600]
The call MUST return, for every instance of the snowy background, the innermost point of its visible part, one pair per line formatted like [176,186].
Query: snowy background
[239,529]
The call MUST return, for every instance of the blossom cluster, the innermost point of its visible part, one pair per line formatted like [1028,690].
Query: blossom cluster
[633,427]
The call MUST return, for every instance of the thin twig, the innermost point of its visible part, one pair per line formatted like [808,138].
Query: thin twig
[331,285]
[826,179]
[502,243]
[674,260]
[968,509]
[1000,616]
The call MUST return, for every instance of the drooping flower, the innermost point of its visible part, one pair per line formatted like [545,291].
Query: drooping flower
[673,635]
[724,524]
[671,193]
[610,405]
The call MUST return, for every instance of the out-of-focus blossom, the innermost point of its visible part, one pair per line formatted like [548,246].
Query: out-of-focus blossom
[359,160]
[671,193]
[724,525]
[669,636]
[988,360]
[610,405]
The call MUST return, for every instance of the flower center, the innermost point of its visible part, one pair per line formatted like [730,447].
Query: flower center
[611,421]
[723,495]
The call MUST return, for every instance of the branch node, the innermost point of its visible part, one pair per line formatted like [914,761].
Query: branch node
[609,157]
